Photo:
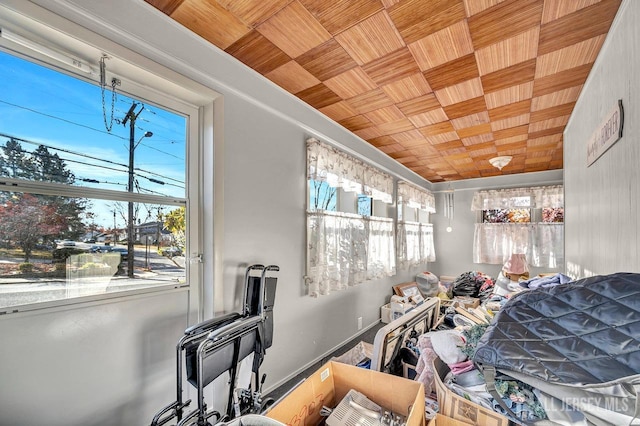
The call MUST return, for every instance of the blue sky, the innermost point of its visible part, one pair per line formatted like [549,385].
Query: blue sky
[46,107]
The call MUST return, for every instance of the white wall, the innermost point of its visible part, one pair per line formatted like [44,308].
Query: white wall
[99,364]
[112,362]
[454,250]
[265,193]
[602,231]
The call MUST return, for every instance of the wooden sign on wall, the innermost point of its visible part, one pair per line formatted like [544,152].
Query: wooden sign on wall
[606,134]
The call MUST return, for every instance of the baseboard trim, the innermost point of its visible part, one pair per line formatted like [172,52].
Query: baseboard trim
[318,359]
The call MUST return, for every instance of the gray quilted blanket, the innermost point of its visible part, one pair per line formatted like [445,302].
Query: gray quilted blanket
[584,332]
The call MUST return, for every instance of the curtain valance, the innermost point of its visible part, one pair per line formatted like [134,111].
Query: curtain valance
[415,197]
[341,170]
[538,197]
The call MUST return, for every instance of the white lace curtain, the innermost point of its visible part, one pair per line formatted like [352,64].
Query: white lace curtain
[415,244]
[415,197]
[347,249]
[415,239]
[341,170]
[511,198]
[542,243]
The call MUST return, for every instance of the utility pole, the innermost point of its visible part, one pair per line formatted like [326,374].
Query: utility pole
[159,220]
[131,118]
[115,234]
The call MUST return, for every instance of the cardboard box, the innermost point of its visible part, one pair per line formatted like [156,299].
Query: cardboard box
[518,277]
[406,289]
[328,385]
[440,420]
[458,408]
[467,302]
[447,279]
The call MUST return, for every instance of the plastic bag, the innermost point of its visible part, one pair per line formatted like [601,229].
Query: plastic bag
[357,355]
[428,284]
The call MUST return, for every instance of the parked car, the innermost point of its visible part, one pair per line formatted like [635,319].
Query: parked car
[124,252]
[62,253]
[171,251]
[96,248]
[68,243]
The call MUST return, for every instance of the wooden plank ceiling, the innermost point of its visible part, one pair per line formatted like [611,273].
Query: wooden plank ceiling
[441,86]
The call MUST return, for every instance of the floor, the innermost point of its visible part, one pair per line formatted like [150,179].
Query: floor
[367,336]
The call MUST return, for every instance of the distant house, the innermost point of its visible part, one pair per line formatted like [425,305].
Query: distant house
[152,232]
[102,237]
[114,236]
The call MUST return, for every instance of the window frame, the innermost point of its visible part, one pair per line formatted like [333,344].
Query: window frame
[149,82]
[347,207]
[538,196]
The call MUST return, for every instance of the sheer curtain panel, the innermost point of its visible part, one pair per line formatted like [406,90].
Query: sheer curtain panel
[415,244]
[337,250]
[381,255]
[415,239]
[542,243]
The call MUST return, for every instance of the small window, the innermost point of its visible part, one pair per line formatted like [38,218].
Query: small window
[365,205]
[521,213]
[506,216]
[322,196]
[553,215]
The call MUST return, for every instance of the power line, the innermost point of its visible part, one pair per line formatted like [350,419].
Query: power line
[61,119]
[166,153]
[89,180]
[90,157]
[94,165]
[100,181]
[68,151]
[89,127]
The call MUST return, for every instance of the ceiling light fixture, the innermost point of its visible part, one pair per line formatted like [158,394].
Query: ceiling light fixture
[53,54]
[500,162]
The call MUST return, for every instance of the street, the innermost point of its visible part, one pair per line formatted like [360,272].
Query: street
[150,269]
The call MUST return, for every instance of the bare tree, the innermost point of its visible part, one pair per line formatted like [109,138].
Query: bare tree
[323,196]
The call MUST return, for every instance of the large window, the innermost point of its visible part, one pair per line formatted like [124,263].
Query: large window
[93,182]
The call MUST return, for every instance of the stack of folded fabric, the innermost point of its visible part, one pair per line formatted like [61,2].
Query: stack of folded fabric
[541,281]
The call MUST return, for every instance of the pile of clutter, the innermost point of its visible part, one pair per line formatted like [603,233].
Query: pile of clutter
[455,347]
[469,302]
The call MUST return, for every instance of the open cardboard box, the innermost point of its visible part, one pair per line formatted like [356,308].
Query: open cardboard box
[328,385]
[440,420]
[458,408]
